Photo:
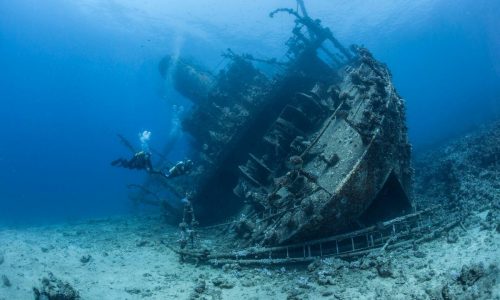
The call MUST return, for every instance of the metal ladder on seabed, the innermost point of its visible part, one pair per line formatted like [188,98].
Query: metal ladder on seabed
[389,234]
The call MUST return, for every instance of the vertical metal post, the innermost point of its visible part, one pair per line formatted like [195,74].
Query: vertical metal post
[320,249]
[337,246]
[352,243]
[287,254]
[304,248]
[371,237]
[309,250]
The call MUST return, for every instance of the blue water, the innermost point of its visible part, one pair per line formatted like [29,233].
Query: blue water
[76,73]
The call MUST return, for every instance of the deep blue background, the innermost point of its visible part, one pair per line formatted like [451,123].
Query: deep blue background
[73,74]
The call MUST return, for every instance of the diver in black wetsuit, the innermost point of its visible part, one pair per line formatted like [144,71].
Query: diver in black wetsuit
[140,161]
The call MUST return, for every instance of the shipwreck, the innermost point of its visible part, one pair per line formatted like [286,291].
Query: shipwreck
[315,147]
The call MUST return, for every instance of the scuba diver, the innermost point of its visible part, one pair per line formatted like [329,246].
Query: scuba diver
[180,168]
[140,161]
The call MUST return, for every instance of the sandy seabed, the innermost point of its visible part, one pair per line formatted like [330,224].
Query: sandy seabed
[124,258]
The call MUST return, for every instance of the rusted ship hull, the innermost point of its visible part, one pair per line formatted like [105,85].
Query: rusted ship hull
[355,169]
